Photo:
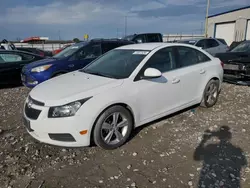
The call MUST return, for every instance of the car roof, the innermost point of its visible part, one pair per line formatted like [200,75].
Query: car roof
[200,38]
[151,46]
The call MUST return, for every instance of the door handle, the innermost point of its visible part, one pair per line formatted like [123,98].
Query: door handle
[71,65]
[202,71]
[175,81]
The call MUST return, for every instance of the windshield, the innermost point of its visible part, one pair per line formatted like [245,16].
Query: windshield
[117,64]
[243,47]
[68,51]
[192,42]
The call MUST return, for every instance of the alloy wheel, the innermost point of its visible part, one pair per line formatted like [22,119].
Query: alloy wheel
[114,128]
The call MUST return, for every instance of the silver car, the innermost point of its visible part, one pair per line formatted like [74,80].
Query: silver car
[211,45]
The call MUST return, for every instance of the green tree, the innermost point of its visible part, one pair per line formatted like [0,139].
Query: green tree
[76,40]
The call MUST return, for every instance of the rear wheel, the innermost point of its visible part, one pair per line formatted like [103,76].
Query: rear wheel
[211,93]
[113,128]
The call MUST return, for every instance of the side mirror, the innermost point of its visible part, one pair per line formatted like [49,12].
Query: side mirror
[152,73]
[138,41]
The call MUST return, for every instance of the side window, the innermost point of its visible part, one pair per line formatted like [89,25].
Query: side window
[27,57]
[211,43]
[201,44]
[153,38]
[163,60]
[6,58]
[187,56]
[107,46]
[202,57]
[140,39]
[89,52]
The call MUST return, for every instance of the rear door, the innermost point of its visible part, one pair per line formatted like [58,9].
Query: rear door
[212,46]
[192,73]
[10,67]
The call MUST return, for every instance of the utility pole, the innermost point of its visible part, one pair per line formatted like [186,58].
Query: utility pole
[125,29]
[206,25]
[59,34]
[201,28]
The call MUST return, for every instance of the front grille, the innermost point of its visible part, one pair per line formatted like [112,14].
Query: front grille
[36,102]
[62,137]
[32,113]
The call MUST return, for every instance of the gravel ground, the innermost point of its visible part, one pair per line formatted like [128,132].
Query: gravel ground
[194,148]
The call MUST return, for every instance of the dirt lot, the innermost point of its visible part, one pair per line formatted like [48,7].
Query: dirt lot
[173,152]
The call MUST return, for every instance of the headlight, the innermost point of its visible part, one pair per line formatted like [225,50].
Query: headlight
[66,110]
[41,68]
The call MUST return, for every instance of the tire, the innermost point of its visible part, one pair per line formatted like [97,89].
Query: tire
[212,91]
[106,130]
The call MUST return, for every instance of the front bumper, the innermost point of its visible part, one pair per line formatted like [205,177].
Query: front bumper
[31,80]
[56,131]
[237,79]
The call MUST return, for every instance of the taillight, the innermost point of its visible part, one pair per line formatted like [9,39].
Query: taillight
[222,64]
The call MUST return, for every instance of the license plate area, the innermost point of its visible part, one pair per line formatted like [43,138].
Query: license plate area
[231,67]
[26,123]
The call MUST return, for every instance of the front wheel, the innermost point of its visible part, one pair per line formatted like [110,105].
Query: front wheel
[211,94]
[113,128]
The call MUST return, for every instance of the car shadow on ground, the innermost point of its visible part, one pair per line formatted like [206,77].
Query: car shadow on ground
[222,161]
[10,86]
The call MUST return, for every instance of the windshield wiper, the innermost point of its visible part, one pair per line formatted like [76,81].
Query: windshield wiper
[97,73]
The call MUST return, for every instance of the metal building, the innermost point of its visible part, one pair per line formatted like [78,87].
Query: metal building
[232,25]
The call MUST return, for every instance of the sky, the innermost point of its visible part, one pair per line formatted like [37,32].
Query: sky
[67,19]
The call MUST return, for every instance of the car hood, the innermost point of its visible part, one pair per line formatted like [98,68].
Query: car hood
[234,56]
[42,62]
[71,87]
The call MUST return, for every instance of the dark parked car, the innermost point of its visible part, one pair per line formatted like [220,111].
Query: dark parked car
[211,45]
[11,64]
[237,64]
[34,51]
[70,59]
[145,37]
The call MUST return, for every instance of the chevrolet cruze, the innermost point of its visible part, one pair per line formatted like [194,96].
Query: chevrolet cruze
[121,90]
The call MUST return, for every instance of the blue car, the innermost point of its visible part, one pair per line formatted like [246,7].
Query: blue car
[70,59]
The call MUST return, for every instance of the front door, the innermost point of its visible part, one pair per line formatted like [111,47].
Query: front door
[158,96]
[84,56]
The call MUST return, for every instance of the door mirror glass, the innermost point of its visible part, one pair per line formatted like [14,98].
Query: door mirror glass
[138,41]
[152,73]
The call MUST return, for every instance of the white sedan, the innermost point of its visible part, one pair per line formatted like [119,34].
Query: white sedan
[121,90]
